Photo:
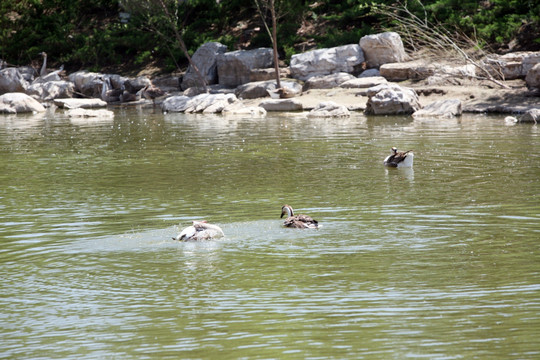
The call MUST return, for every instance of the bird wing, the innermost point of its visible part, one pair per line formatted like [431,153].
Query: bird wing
[395,159]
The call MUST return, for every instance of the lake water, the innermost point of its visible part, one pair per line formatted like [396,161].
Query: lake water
[441,261]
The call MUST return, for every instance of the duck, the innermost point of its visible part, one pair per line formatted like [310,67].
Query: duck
[282,93]
[151,92]
[107,93]
[200,230]
[399,158]
[44,75]
[297,221]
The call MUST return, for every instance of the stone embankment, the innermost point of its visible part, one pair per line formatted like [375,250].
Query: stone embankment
[375,76]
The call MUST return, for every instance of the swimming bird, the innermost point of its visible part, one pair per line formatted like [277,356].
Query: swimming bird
[200,230]
[297,221]
[399,158]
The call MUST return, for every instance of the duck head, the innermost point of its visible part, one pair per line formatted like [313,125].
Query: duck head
[286,210]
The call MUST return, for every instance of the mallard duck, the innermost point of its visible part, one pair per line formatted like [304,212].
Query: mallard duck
[200,230]
[297,221]
[151,92]
[399,158]
[282,93]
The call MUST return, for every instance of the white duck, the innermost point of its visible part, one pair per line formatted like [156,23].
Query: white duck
[297,221]
[200,230]
[399,158]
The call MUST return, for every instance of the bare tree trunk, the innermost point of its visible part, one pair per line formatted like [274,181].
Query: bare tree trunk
[270,5]
[180,40]
[274,43]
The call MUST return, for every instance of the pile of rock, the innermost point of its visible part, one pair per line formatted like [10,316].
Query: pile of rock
[232,77]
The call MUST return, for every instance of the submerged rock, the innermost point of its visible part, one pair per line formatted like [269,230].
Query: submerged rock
[79,103]
[442,108]
[85,113]
[329,109]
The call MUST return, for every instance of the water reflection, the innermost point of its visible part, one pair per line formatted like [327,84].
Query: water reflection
[434,261]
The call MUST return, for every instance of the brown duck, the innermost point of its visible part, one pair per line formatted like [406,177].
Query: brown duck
[297,221]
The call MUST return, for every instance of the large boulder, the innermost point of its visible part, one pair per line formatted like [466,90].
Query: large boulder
[346,58]
[421,69]
[13,103]
[512,65]
[533,77]
[11,80]
[391,99]
[205,58]
[85,81]
[382,49]
[281,105]
[51,90]
[328,81]
[329,109]
[261,89]
[442,108]
[234,67]
[207,103]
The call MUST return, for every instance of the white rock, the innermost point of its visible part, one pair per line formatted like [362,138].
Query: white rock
[344,58]
[200,103]
[391,99]
[382,48]
[51,90]
[79,112]
[79,103]
[239,109]
[327,81]
[512,65]
[11,81]
[442,108]
[13,103]
[83,78]
[329,109]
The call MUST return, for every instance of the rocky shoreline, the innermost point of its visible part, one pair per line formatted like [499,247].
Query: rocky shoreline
[374,77]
